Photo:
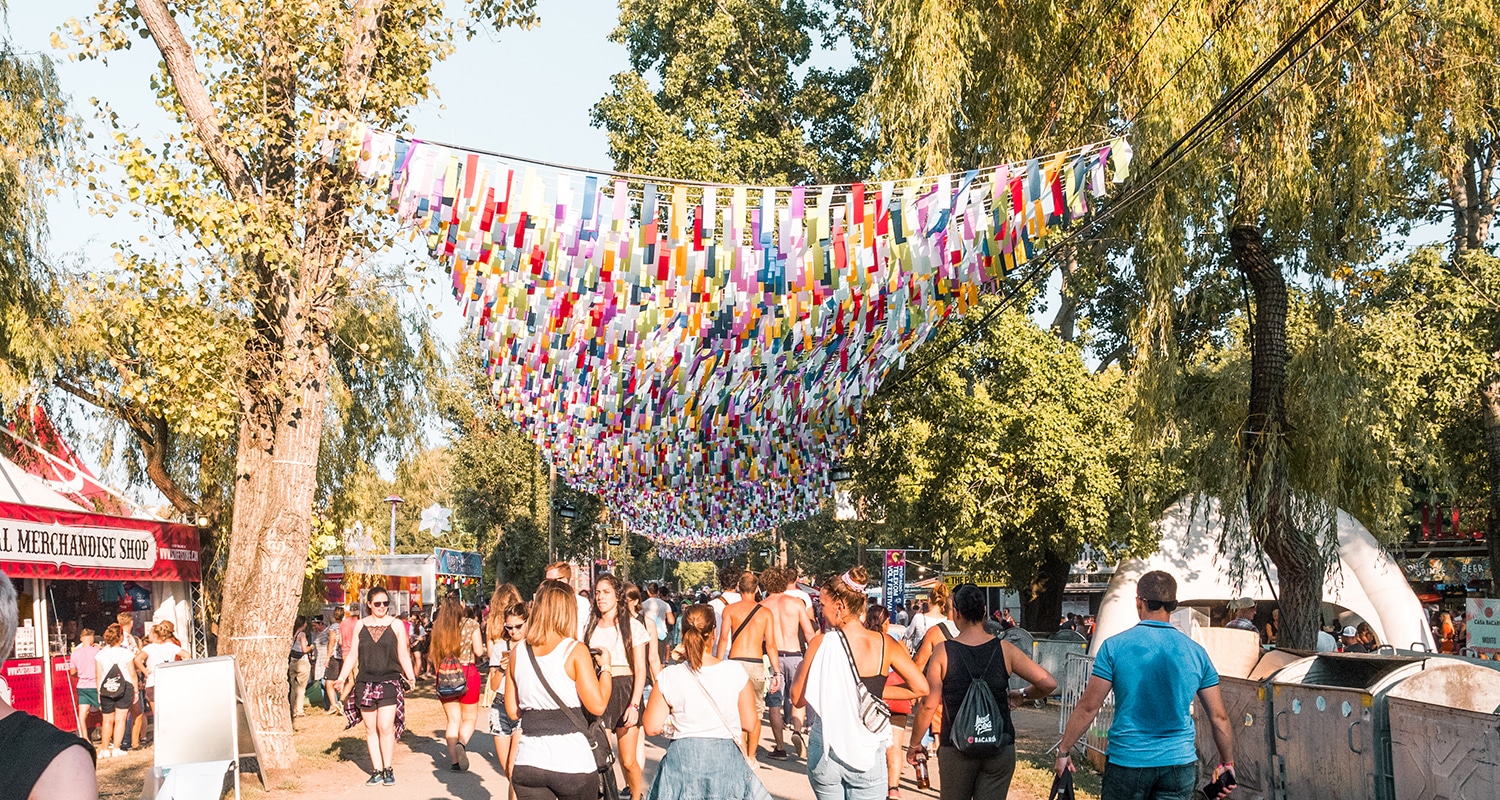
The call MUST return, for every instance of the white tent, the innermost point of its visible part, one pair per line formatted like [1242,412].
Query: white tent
[19,486]
[1368,583]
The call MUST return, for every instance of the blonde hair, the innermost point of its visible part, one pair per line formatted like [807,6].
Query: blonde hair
[553,610]
[504,597]
[561,566]
[852,598]
[939,595]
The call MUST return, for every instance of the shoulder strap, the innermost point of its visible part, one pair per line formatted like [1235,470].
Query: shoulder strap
[943,627]
[573,716]
[853,667]
[743,623]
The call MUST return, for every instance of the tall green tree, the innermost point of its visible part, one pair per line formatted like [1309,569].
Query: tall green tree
[34,147]
[1011,455]
[1316,162]
[279,224]
[714,94]
[500,487]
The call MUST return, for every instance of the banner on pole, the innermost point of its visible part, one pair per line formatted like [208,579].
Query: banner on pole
[895,581]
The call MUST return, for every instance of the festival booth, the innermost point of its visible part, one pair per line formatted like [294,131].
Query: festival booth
[74,570]
[413,580]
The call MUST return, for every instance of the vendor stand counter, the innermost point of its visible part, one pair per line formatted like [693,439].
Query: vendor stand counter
[78,570]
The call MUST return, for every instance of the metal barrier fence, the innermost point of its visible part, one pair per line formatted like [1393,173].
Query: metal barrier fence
[1077,667]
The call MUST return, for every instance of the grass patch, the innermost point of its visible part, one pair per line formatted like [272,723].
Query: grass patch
[1034,773]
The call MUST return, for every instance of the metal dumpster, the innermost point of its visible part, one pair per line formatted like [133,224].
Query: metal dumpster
[1444,727]
[1248,701]
[1328,740]
[1052,653]
[1022,638]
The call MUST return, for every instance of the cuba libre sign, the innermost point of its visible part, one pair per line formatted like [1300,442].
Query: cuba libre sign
[45,543]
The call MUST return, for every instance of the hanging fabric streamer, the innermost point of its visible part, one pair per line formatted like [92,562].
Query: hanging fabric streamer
[699,355]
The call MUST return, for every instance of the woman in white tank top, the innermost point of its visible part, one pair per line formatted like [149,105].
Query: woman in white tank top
[553,760]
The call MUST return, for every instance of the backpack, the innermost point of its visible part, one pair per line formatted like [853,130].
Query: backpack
[978,729]
[113,686]
[452,681]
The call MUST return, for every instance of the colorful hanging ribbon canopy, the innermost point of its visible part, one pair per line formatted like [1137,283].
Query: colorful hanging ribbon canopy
[699,355]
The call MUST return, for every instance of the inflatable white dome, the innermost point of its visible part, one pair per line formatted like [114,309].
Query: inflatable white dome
[1368,583]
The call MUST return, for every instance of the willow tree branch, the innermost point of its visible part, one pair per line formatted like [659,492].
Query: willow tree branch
[188,83]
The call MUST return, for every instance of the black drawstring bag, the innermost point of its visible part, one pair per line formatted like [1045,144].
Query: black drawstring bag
[1062,786]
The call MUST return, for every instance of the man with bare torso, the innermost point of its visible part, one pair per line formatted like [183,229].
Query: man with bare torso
[748,635]
[794,630]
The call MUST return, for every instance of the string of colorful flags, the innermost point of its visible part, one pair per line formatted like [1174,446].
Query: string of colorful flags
[699,355]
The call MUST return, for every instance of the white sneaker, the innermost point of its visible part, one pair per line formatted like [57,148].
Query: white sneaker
[106,753]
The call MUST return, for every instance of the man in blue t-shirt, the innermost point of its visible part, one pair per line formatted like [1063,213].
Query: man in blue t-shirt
[1154,671]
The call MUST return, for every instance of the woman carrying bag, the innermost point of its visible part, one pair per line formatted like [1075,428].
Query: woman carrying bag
[549,682]
[376,693]
[841,682]
[703,704]
[455,646]
[975,656]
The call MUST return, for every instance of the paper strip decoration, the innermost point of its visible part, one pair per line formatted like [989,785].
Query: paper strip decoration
[698,355]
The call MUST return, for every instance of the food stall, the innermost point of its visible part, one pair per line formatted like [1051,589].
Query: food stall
[414,580]
[74,569]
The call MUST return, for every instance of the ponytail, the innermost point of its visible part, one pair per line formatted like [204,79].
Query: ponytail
[697,634]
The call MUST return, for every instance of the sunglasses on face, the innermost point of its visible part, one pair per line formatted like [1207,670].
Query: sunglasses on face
[380,604]
[513,628]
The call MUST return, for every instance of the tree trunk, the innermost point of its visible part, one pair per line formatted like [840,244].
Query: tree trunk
[1041,600]
[1489,395]
[1298,558]
[287,357]
[1471,187]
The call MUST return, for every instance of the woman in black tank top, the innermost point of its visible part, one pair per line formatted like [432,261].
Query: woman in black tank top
[377,693]
[970,656]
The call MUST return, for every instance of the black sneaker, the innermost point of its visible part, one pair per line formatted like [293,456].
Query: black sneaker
[375,778]
[388,777]
[779,754]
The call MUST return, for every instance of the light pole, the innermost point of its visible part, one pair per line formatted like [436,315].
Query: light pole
[394,500]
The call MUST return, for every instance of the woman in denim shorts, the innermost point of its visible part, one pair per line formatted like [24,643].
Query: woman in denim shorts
[501,725]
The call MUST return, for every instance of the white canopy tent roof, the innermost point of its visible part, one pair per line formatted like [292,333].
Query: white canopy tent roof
[1368,582]
[19,486]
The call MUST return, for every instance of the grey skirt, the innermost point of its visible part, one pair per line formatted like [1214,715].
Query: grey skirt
[705,769]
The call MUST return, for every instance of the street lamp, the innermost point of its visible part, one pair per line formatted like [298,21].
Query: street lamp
[839,472]
[568,511]
[394,500]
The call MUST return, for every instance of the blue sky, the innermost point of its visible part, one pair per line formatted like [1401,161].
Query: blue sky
[554,73]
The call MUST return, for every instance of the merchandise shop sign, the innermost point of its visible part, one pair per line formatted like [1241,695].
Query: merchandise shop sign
[77,546]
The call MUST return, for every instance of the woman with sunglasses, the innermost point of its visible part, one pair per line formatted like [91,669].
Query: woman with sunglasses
[377,693]
[506,626]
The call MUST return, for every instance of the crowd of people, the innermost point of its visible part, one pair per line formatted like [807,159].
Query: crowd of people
[575,680]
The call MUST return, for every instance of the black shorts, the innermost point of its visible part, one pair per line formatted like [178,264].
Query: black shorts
[619,699]
[121,703]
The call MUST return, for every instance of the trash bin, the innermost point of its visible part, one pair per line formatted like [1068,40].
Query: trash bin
[1444,727]
[1327,715]
[1248,702]
[1052,653]
[1022,638]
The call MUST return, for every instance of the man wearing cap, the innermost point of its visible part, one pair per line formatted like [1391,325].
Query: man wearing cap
[1351,642]
[1243,611]
[1155,672]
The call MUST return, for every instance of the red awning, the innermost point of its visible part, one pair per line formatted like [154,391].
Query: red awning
[38,542]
